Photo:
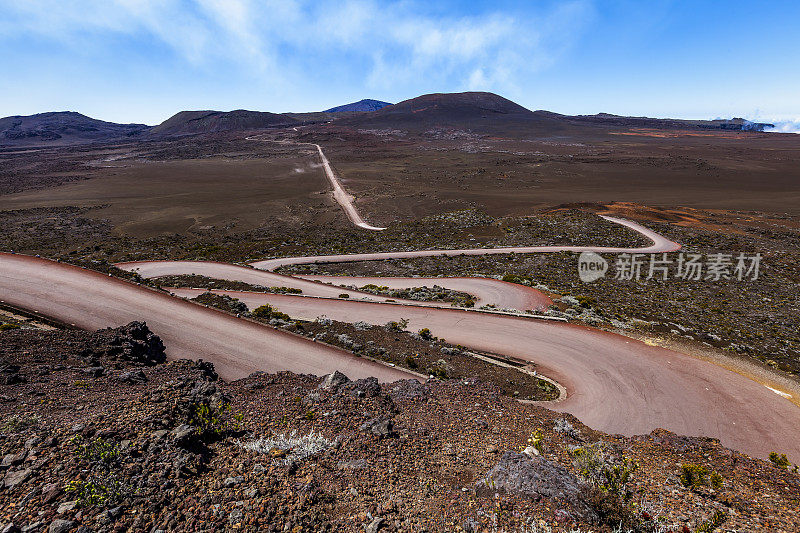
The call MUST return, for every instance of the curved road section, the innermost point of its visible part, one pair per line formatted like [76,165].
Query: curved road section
[660,244]
[614,383]
[237,347]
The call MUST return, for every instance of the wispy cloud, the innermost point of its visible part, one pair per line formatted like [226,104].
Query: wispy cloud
[785,126]
[393,43]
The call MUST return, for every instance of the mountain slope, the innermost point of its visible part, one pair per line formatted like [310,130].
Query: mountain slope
[193,122]
[455,104]
[479,112]
[62,127]
[489,113]
[360,106]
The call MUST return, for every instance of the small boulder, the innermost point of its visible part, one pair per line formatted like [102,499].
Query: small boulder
[367,387]
[382,427]
[534,477]
[132,377]
[13,479]
[334,381]
[184,435]
[60,526]
[375,525]
[232,481]
[94,371]
[67,506]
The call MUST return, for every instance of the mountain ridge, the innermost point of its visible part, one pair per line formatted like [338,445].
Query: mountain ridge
[62,127]
[364,105]
[210,121]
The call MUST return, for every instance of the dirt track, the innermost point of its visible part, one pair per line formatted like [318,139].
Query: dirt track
[236,347]
[614,383]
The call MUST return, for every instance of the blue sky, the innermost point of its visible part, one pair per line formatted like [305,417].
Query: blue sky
[144,60]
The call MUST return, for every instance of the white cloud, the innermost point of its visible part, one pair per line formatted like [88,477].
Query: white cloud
[275,39]
[785,126]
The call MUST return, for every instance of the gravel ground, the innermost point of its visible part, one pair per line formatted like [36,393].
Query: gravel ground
[99,435]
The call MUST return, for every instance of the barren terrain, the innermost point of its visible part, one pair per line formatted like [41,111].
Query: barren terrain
[402,456]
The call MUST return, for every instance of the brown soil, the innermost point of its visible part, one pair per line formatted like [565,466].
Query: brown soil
[64,425]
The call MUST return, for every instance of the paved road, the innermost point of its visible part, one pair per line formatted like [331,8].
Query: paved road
[487,291]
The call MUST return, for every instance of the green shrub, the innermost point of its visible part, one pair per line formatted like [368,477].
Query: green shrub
[426,334]
[608,477]
[537,440]
[94,493]
[438,372]
[411,362]
[465,302]
[7,326]
[97,450]
[779,460]
[266,312]
[344,295]
[212,420]
[693,476]
[399,325]
[284,290]
[716,479]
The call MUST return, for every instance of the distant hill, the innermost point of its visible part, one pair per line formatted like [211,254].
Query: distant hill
[606,119]
[489,113]
[475,111]
[456,104]
[193,122]
[62,127]
[360,106]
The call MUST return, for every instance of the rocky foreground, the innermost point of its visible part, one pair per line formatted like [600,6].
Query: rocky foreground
[98,432]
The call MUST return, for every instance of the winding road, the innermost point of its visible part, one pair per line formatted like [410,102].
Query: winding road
[614,383]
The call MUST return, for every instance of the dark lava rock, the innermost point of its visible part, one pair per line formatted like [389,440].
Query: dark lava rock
[60,526]
[13,479]
[534,477]
[133,343]
[132,377]
[9,374]
[407,390]
[94,371]
[366,387]
[334,381]
[185,435]
[382,427]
